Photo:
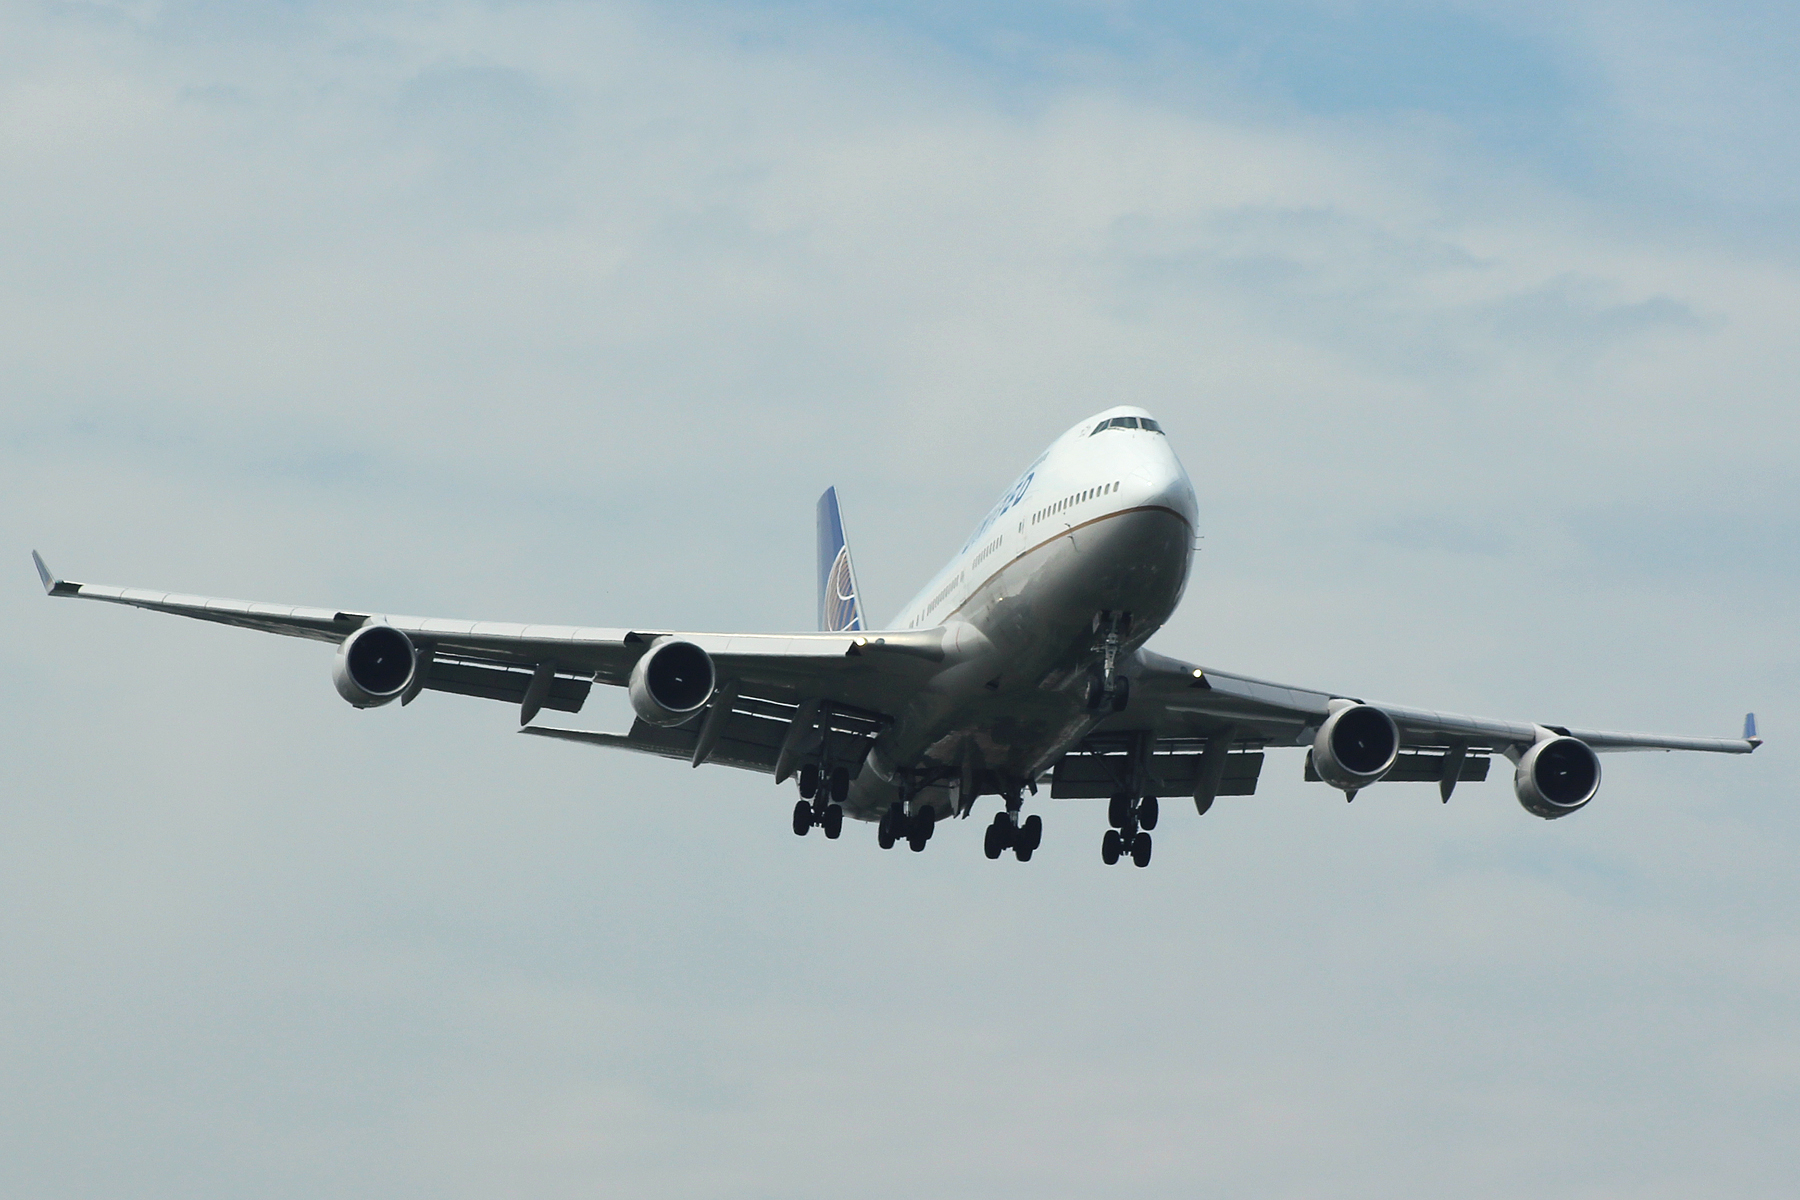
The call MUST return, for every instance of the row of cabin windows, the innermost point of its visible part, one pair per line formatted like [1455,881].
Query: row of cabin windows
[1128,423]
[1068,502]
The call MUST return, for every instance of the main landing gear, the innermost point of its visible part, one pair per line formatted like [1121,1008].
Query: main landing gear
[915,829]
[822,799]
[1131,821]
[1106,687]
[1007,832]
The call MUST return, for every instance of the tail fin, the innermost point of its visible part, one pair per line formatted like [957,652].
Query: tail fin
[839,607]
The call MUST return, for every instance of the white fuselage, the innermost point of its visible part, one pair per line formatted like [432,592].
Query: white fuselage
[1101,522]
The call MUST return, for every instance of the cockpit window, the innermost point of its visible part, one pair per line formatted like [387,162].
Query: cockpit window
[1152,426]
[1127,423]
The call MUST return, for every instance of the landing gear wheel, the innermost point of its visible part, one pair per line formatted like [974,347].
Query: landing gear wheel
[809,780]
[1147,810]
[1031,834]
[840,784]
[1140,850]
[888,832]
[1121,694]
[802,817]
[1023,853]
[833,821]
[994,841]
[1118,811]
[1110,847]
[1096,693]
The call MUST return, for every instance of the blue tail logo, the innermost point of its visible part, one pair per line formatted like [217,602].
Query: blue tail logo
[839,608]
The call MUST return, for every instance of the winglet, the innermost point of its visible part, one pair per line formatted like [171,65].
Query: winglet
[52,585]
[1750,730]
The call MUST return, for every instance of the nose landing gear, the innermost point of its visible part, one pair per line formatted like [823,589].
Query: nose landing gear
[1106,687]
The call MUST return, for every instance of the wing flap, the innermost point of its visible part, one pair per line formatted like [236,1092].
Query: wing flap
[509,684]
[1097,776]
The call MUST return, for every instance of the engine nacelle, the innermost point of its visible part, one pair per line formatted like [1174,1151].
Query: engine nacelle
[374,665]
[1556,777]
[1355,747]
[672,682]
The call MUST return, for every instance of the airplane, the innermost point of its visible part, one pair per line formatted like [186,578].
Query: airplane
[1021,663]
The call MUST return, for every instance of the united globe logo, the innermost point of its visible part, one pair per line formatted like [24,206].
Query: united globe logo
[840,595]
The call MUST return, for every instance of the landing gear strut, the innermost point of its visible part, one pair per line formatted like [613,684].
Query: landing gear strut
[1106,687]
[1131,820]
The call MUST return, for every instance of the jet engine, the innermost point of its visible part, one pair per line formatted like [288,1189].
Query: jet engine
[1355,747]
[672,682]
[374,665]
[1556,777]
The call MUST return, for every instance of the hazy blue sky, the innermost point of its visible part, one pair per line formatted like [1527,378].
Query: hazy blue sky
[1476,326]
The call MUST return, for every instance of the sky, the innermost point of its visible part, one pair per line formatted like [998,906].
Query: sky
[1475,325]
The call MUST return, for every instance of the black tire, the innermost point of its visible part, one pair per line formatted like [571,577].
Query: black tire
[833,821]
[1096,693]
[1140,850]
[993,842]
[1121,694]
[927,822]
[840,784]
[884,833]
[1118,811]
[1024,853]
[917,843]
[802,817]
[1031,834]
[1110,846]
[809,780]
[1147,812]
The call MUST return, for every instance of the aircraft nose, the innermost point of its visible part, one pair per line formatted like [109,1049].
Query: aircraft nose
[1162,483]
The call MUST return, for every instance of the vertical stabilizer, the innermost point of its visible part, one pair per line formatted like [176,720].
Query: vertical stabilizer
[839,607]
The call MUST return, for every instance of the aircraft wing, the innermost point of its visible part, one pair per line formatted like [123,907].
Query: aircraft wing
[1193,729]
[843,683]
[1180,699]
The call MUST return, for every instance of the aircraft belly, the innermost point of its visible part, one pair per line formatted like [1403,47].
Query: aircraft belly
[1015,710]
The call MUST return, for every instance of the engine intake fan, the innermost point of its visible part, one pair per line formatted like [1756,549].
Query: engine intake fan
[1557,776]
[672,682]
[374,665]
[1355,747]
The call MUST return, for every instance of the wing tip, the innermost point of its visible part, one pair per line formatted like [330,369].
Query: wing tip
[1750,734]
[53,586]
